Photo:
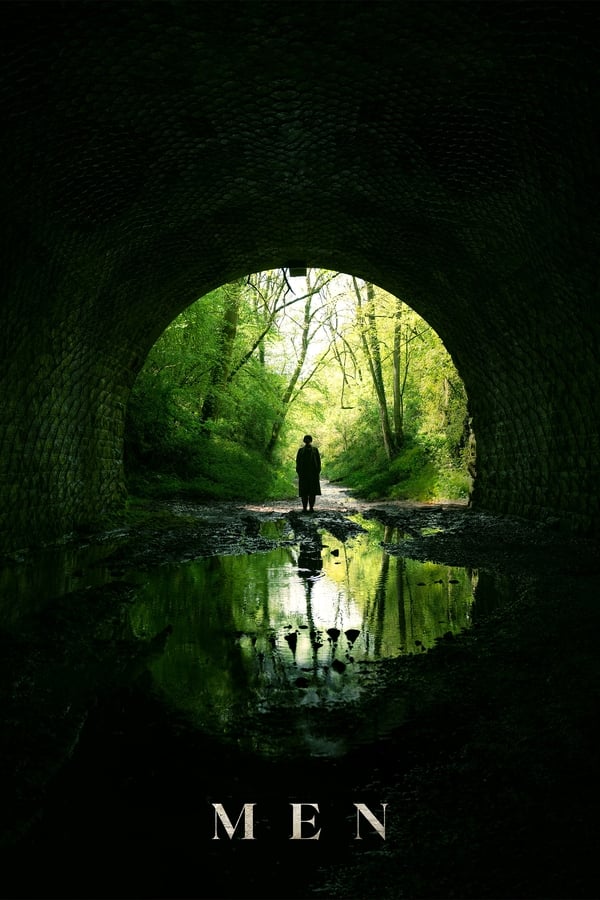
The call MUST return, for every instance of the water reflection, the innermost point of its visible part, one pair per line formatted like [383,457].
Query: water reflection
[279,651]
[28,582]
[293,635]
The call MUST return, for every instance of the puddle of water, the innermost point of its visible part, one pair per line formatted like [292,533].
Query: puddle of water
[276,530]
[27,584]
[281,652]
[277,651]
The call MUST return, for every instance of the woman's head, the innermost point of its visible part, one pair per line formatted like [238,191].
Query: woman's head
[307,438]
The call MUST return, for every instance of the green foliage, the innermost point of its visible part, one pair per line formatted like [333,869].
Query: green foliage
[246,407]
[413,475]
[213,468]
[225,395]
[424,469]
[429,461]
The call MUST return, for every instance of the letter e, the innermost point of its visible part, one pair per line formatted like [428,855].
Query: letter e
[298,821]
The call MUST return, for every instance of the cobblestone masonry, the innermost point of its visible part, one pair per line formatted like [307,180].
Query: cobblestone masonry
[449,152]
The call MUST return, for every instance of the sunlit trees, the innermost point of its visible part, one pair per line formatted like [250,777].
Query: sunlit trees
[224,339]
[260,361]
[310,317]
[401,418]
[371,343]
[387,332]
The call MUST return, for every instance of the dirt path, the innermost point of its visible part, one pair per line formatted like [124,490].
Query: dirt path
[452,533]
[336,498]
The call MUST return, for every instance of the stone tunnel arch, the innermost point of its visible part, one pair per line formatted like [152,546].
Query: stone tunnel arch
[446,152]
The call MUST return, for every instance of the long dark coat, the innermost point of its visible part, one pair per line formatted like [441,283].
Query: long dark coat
[308,467]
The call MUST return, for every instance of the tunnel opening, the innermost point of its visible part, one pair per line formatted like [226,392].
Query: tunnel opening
[227,391]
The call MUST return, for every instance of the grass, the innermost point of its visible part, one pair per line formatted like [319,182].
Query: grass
[213,469]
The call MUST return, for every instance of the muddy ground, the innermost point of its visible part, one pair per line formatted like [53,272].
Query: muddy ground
[491,781]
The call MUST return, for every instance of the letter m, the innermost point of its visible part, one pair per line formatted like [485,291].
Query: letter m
[248,815]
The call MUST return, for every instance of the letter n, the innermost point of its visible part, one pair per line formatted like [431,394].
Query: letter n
[363,809]
[248,814]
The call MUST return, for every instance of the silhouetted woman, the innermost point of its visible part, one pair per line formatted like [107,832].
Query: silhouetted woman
[308,467]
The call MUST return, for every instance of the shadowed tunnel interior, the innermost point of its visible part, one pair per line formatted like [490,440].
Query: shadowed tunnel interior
[151,152]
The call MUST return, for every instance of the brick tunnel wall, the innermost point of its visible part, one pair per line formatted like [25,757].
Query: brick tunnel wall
[446,151]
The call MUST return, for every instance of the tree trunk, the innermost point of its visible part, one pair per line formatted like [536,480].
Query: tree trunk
[295,384]
[399,378]
[219,372]
[293,381]
[372,350]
